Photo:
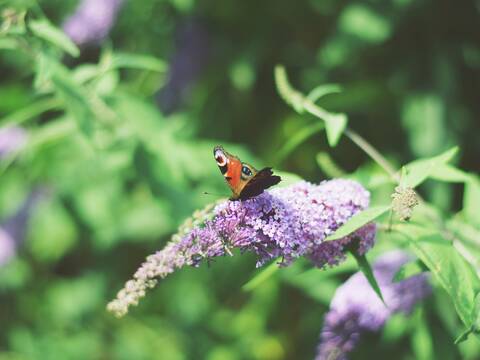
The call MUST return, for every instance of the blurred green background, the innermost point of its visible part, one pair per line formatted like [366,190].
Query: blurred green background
[120,146]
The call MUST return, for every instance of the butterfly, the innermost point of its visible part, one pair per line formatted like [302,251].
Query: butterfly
[244,180]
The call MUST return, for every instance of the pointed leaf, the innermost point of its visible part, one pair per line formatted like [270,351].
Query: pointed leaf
[45,30]
[291,96]
[422,342]
[76,101]
[450,269]
[449,173]
[323,90]
[464,335]
[418,171]
[366,269]
[335,125]
[137,61]
[475,327]
[357,221]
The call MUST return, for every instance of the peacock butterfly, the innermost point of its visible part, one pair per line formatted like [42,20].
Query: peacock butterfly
[244,180]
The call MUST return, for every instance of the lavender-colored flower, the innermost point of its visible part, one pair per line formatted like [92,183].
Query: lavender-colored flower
[12,232]
[12,139]
[92,21]
[7,247]
[356,308]
[282,223]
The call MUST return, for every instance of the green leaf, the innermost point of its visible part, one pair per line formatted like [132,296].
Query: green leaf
[137,61]
[335,125]
[52,233]
[51,132]
[75,100]
[85,72]
[261,277]
[468,237]
[476,314]
[418,171]
[449,173]
[449,268]
[463,336]
[242,75]
[45,30]
[298,138]
[357,221]
[362,22]
[475,327]
[366,269]
[291,96]
[471,201]
[427,136]
[422,342]
[31,111]
[322,90]
[15,274]
[408,270]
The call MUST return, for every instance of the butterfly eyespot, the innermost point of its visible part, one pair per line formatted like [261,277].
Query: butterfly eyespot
[246,171]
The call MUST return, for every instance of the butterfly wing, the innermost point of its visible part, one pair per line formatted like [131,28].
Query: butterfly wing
[242,178]
[230,166]
[262,180]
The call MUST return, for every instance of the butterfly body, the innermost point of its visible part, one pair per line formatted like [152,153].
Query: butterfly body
[243,179]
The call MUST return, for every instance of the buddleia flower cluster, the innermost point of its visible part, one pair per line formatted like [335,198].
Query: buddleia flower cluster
[283,223]
[92,20]
[356,309]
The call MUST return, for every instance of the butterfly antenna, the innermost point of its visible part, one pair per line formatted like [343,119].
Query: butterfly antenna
[213,194]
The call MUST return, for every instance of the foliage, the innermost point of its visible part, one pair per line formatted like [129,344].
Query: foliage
[120,136]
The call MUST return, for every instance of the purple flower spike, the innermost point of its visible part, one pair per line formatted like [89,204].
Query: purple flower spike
[92,21]
[7,247]
[283,223]
[12,139]
[356,308]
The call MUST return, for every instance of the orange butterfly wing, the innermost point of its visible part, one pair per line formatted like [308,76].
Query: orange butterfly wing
[234,175]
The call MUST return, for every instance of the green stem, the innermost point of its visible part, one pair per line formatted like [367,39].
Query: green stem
[302,103]
[372,152]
